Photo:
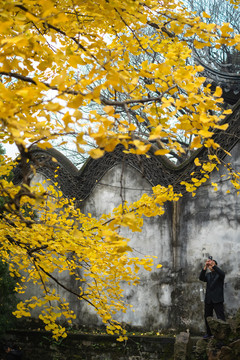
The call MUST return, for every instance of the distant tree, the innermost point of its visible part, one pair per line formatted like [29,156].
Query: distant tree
[224,58]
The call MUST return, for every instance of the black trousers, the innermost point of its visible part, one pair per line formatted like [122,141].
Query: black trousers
[208,311]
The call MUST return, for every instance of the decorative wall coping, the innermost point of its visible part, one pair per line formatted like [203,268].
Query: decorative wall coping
[155,169]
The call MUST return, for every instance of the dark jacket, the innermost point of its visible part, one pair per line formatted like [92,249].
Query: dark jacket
[215,282]
[14,355]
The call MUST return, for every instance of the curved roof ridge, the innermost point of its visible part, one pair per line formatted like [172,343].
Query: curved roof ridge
[229,82]
[60,157]
[235,76]
[155,169]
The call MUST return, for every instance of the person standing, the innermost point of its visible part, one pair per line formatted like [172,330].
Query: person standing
[214,297]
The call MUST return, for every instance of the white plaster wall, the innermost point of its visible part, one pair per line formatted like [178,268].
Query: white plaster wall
[149,299]
[208,224]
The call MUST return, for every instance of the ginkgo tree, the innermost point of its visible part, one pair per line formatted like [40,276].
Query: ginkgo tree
[45,48]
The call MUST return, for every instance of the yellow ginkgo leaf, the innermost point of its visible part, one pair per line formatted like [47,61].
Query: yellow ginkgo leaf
[161,152]
[96,153]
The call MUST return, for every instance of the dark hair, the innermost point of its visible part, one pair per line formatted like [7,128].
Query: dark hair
[215,261]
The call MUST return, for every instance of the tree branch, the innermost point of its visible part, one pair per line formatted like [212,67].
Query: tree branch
[60,32]
[32,81]
[65,287]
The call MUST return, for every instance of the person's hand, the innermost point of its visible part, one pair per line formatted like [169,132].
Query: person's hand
[207,264]
[212,263]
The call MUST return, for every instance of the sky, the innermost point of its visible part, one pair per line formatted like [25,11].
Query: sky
[11,150]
